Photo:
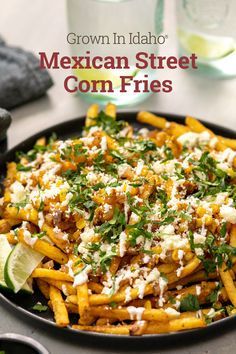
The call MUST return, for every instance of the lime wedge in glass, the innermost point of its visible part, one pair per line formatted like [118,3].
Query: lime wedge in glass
[105,74]
[206,47]
[19,265]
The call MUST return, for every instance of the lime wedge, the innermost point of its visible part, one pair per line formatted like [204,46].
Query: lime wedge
[207,47]
[19,265]
[5,250]
[97,74]
[104,74]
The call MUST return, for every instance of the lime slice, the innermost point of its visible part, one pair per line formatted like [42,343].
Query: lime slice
[19,265]
[102,75]
[5,250]
[207,47]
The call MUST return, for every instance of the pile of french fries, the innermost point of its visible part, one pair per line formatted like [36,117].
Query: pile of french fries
[110,314]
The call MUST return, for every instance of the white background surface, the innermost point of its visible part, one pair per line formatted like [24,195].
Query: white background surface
[40,25]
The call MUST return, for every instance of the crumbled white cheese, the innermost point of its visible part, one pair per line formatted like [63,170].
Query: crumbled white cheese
[18,192]
[123,169]
[139,167]
[40,219]
[128,296]
[92,177]
[172,313]
[211,313]
[69,196]
[153,275]
[82,277]
[198,290]
[29,239]
[104,143]
[179,287]
[189,138]
[228,213]
[122,244]
[192,139]
[87,235]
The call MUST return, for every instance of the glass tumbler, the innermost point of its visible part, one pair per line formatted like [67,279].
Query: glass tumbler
[108,19]
[208,29]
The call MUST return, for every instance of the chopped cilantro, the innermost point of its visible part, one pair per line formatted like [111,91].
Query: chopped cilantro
[40,308]
[223,229]
[21,167]
[109,124]
[189,303]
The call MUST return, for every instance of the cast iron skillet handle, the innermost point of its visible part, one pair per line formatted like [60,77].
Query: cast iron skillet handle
[5,122]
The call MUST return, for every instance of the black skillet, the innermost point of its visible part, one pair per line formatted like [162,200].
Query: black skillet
[22,304]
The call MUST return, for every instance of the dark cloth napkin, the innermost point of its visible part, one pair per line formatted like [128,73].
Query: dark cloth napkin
[21,79]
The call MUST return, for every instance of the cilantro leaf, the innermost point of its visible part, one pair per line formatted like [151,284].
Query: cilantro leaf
[40,308]
[189,303]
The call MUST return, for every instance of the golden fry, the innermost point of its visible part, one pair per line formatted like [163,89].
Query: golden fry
[46,249]
[91,115]
[228,283]
[59,308]
[152,119]
[110,110]
[52,274]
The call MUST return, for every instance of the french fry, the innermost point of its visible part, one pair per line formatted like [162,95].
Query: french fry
[11,238]
[43,287]
[230,143]
[206,288]
[118,330]
[71,308]
[65,286]
[83,305]
[6,225]
[228,283]
[51,274]
[115,265]
[174,325]
[152,119]
[123,314]
[233,240]
[102,299]
[233,236]
[198,127]
[59,242]
[11,173]
[110,110]
[167,268]
[105,321]
[196,277]
[41,141]
[95,287]
[22,214]
[188,269]
[46,249]
[59,308]
[92,113]
[176,129]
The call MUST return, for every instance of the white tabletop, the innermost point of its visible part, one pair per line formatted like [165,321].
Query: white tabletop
[40,25]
